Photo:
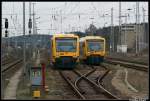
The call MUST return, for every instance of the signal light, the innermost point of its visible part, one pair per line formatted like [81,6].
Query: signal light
[6,33]
[29,31]
[6,23]
[30,23]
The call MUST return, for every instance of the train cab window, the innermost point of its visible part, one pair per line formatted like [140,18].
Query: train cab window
[66,45]
[95,45]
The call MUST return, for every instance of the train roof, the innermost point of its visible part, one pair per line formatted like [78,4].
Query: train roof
[65,35]
[91,37]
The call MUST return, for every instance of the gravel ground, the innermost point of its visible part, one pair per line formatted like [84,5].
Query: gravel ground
[140,81]
[23,90]
[59,89]
[134,78]
[108,85]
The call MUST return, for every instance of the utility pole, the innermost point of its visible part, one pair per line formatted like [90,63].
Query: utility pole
[119,37]
[79,22]
[61,19]
[125,29]
[144,34]
[56,13]
[30,26]
[79,19]
[54,21]
[139,30]
[24,46]
[112,32]
[14,26]
[34,53]
[16,39]
[51,17]
[33,20]
[30,16]
[137,27]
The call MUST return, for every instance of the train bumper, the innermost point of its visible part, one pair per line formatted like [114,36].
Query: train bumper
[94,60]
[65,62]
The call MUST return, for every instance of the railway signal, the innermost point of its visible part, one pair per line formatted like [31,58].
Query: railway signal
[29,32]
[6,26]
[30,24]
[6,23]
[6,33]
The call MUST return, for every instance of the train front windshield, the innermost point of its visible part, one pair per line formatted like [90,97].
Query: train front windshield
[66,45]
[95,45]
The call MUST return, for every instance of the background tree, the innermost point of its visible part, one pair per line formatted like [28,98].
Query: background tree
[91,30]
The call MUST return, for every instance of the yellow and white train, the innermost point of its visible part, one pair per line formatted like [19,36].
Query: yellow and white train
[65,50]
[92,49]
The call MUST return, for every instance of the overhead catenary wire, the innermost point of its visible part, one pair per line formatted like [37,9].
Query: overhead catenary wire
[70,10]
[95,9]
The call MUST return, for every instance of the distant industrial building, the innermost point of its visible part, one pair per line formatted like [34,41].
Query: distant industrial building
[128,36]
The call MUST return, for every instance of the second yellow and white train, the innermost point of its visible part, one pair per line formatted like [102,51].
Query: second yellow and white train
[92,49]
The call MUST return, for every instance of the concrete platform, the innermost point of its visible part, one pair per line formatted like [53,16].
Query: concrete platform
[10,92]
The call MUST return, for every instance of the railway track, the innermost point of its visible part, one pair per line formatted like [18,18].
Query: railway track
[136,66]
[4,58]
[86,88]
[130,61]
[7,61]
[9,66]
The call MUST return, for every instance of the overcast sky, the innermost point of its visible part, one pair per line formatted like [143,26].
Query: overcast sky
[75,15]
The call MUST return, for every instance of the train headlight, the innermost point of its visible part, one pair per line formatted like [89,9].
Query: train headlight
[88,52]
[57,55]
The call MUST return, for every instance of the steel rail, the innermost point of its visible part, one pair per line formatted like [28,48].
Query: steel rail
[81,77]
[7,61]
[100,78]
[97,86]
[11,65]
[67,79]
[136,62]
[129,65]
